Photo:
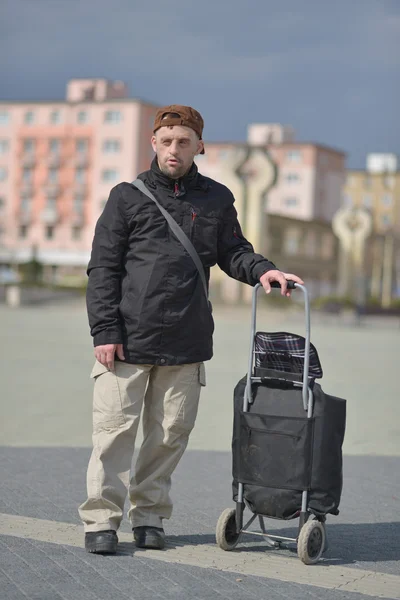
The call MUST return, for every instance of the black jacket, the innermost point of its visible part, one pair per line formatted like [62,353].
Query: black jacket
[144,290]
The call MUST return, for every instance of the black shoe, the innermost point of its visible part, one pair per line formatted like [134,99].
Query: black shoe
[101,542]
[149,537]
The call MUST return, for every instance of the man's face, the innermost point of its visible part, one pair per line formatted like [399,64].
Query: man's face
[176,148]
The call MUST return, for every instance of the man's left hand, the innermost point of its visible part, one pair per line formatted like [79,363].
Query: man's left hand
[281,278]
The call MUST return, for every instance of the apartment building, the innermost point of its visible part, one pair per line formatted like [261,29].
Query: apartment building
[377,189]
[58,162]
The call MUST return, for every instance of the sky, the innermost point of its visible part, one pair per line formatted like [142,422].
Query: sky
[329,68]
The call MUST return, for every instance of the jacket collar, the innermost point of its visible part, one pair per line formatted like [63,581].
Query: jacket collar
[192,179]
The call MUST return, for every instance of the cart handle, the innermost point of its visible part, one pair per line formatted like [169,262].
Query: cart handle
[291,285]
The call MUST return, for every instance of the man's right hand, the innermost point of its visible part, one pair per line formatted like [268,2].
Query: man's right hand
[105,354]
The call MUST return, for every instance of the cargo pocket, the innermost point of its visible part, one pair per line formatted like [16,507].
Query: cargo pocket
[275,451]
[107,405]
[202,375]
[187,404]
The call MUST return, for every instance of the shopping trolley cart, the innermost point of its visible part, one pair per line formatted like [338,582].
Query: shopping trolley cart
[287,442]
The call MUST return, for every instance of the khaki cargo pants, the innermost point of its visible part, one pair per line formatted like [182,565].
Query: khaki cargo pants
[168,397]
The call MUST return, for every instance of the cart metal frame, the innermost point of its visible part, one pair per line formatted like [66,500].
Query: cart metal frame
[308,403]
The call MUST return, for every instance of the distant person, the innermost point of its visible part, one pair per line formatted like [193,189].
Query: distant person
[152,327]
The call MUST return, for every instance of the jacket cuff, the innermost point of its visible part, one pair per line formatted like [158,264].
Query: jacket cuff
[261,268]
[107,337]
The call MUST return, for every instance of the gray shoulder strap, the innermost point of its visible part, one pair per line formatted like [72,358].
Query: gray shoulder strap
[177,230]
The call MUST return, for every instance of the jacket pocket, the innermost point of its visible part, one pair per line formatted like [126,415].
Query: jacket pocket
[107,405]
[204,237]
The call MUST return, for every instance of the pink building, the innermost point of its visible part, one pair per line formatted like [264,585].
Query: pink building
[58,162]
[310,177]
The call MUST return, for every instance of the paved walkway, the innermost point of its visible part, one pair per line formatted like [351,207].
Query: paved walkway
[45,437]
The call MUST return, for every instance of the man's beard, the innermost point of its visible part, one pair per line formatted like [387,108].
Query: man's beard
[174,173]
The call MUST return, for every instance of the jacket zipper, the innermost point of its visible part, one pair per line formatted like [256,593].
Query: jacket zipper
[194,215]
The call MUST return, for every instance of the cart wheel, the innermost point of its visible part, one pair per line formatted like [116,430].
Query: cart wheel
[323,523]
[226,535]
[311,542]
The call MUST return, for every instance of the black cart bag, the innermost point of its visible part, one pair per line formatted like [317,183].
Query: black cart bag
[278,450]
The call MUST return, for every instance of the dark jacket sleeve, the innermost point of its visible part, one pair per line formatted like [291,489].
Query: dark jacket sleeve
[105,269]
[236,255]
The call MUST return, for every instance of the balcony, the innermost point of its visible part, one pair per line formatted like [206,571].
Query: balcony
[81,160]
[25,215]
[28,160]
[49,216]
[80,188]
[52,190]
[54,160]
[26,189]
[77,218]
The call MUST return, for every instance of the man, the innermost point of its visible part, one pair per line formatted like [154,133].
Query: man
[152,327]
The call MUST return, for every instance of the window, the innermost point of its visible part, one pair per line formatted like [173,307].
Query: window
[51,203]
[4,146]
[292,241]
[109,175]
[113,116]
[293,155]
[387,200]
[54,146]
[4,117]
[23,231]
[53,175]
[76,233]
[111,146]
[55,117]
[27,175]
[388,181]
[82,145]
[49,232]
[327,246]
[79,202]
[29,117]
[292,177]
[386,220]
[3,173]
[29,145]
[80,175]
[82,117]
[310,244]
[26,203]
[290,201]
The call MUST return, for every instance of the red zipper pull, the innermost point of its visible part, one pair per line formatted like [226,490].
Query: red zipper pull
[194,215]
[176,188]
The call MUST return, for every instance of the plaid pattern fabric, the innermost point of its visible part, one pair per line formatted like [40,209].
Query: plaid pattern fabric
[285,352]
